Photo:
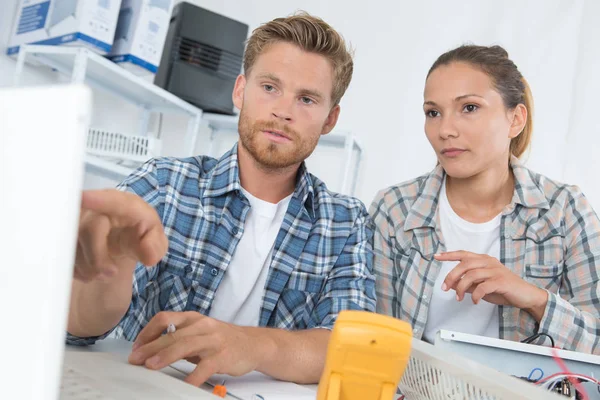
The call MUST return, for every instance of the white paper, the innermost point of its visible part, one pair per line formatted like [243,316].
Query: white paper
[249,385]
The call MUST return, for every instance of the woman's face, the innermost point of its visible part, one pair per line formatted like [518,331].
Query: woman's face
[466,121]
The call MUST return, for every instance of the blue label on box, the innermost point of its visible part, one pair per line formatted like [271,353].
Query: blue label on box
[33,18]
[134,60]
[71,37]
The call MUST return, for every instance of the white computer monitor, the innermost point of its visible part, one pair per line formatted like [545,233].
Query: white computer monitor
[42,131]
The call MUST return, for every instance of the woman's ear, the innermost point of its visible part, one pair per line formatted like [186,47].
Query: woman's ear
[519,119]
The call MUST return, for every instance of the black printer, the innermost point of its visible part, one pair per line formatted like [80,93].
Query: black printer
[202,57]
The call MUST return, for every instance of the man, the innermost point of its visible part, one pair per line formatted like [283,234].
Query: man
[247,260]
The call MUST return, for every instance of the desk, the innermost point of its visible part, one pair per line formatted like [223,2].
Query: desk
[123,347]
[240,387]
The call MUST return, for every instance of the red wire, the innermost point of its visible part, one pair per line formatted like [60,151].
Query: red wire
[564,368]
[546,379]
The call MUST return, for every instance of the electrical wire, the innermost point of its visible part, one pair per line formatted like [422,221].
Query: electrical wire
[575,382]
[530,339]
[531,374]
[561,375]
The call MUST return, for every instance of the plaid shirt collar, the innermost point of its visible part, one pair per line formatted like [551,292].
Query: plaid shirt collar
[424,210]
[225,178]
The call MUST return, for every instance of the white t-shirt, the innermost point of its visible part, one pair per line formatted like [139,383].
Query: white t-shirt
[445,312]
[239,296]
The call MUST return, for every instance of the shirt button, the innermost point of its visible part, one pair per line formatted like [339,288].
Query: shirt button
[214,272]
[424,297]
[235,231]
[416,330]
[187,269]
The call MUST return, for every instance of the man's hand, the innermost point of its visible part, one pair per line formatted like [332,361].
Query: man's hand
[216,347]
[116,230]
[486,278]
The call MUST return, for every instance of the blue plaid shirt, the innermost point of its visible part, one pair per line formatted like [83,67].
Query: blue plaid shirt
[321,263]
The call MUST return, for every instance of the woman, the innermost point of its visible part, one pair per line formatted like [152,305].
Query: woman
[481,244]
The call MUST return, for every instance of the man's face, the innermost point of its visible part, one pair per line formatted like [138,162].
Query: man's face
[285,103]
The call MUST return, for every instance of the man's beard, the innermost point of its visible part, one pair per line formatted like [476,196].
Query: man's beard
[273,155]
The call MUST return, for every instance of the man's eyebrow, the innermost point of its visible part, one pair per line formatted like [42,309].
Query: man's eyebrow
[270,77]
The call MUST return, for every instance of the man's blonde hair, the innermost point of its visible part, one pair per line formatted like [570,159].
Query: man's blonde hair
[311,34]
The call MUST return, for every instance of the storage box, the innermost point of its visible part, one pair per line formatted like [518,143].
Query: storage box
[140,34]
[90,23]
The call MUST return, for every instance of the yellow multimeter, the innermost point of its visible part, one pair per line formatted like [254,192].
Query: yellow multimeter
[366,357]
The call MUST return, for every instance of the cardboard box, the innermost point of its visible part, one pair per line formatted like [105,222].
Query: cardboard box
[90,23]
[140,34]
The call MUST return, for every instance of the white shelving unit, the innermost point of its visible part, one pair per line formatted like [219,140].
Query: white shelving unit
[85,66]
[218,123]
[106,168]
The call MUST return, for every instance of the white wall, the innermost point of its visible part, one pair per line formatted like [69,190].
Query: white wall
[583,137]
[552,42]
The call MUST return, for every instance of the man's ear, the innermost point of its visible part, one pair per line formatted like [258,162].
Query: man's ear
[331,120]
[238,92]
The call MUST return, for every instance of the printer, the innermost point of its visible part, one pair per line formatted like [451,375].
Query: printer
[202,57]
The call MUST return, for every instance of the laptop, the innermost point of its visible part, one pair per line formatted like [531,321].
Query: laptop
[42,134]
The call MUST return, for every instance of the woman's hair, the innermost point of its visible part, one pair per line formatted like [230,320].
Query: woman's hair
[506,78]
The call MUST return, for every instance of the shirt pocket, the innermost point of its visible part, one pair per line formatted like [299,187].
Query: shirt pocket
[299,299]
[542,241]
[545,276]
[305,282]
[177,278]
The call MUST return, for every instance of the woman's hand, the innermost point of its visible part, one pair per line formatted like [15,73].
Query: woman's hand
[486,278]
